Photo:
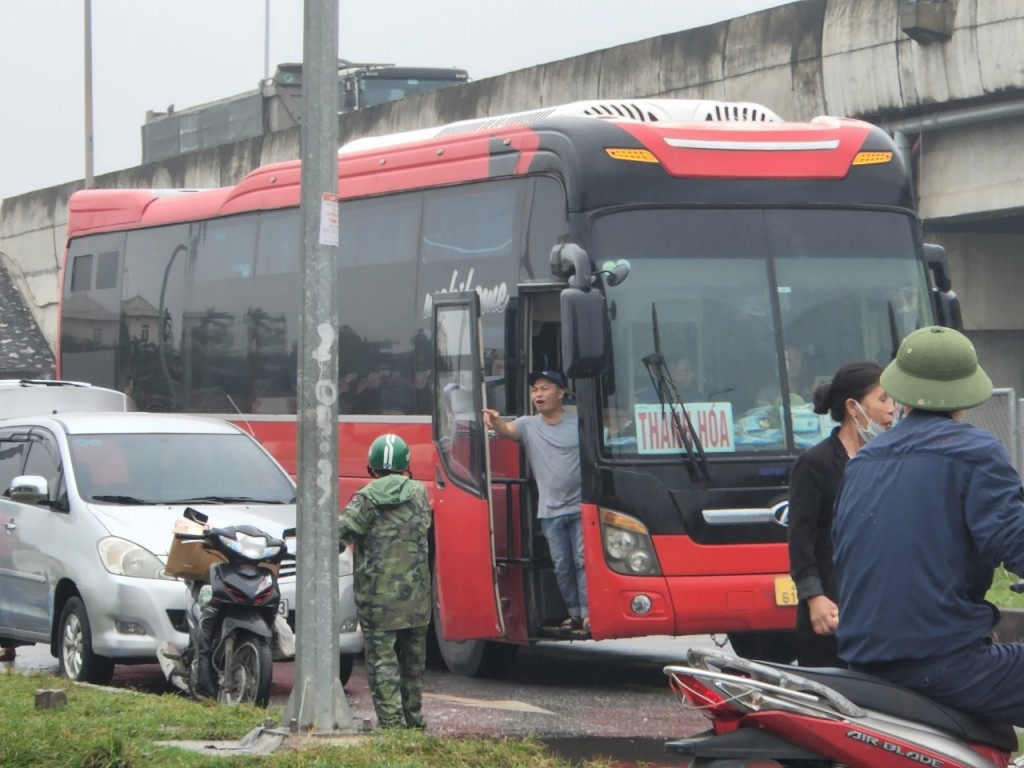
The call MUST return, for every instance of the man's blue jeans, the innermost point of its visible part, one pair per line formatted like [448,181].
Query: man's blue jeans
[565,541]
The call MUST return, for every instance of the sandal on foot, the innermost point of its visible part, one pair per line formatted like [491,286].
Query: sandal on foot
[571,624]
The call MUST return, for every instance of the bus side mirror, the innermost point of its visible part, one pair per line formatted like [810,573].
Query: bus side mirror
[615,272]
[947,309]
[584,331]
[937,261]
[348,96]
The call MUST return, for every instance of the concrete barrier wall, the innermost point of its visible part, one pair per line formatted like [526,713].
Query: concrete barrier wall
[803,59]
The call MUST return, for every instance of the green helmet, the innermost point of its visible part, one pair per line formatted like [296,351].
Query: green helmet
[388,453]
[936,369]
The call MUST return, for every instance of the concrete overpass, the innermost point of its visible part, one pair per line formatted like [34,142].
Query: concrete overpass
[953,92]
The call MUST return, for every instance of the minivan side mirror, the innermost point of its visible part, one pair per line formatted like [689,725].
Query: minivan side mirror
[29,489]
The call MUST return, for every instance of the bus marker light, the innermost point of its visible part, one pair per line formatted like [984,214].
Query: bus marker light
[871,158]
[641,605]
[633,155]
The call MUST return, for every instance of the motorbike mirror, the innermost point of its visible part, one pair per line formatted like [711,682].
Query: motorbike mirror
[196,516]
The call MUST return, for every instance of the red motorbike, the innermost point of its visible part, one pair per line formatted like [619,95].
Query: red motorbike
[770,716]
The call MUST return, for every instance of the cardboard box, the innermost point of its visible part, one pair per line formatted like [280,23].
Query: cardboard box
[188,560]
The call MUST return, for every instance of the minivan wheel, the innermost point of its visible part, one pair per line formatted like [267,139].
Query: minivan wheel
[74,647]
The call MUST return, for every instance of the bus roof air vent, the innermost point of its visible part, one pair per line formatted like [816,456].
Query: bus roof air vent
[737,112]
[634,110]
[627,110]
[671,111]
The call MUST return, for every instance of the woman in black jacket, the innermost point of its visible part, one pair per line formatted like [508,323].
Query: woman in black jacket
[855,400]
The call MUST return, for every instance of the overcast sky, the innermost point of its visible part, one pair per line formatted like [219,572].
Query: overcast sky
[148,54]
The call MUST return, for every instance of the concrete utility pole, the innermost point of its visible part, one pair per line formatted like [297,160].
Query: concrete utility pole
[266,39]
[317,701]
[89,180]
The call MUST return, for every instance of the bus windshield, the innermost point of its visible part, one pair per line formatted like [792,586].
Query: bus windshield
[749,309]
[379,90]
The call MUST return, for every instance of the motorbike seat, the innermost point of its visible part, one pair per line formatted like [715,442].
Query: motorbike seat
[882,696]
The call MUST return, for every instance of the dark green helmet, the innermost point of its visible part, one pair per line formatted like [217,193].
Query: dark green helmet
[388,453]
[936,369]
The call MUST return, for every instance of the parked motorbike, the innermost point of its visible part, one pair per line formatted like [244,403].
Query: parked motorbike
[769,715]
[231,611]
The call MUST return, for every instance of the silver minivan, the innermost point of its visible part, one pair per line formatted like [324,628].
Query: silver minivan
[87,510]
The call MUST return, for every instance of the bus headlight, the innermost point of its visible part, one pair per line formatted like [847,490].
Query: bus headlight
[618,543]
[639,561]
[628,548]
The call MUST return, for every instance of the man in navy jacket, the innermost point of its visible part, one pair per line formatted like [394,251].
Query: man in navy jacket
[925,513]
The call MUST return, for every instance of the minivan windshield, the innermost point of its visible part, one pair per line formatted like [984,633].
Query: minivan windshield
[750,309]
[176,468]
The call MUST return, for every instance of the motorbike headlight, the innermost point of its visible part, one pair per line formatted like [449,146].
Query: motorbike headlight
[271,551]
[126,558]
[250,547]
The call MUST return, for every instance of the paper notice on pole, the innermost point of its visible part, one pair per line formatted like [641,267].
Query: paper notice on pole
[329,220]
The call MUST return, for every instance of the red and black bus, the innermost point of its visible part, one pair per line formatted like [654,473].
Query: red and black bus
[693,267]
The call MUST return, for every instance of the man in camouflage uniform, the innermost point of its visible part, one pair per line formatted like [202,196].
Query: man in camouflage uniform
[387,521]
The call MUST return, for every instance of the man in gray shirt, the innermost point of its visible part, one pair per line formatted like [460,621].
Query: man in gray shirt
[552,442]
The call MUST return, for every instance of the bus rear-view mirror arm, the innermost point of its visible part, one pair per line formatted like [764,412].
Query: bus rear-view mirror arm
[570,261]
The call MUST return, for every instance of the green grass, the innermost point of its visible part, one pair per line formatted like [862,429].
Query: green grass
[1000,593]
[104,729]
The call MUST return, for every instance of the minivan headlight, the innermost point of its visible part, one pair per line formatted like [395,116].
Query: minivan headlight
[126,558]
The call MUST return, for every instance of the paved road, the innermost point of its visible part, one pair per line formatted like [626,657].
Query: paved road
[588,698]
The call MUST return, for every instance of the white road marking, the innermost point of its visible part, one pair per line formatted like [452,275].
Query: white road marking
[508,704]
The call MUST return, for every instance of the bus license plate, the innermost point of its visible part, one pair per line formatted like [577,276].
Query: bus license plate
[282,607]
[785,591]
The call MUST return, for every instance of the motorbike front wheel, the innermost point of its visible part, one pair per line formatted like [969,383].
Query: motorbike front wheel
[247,671]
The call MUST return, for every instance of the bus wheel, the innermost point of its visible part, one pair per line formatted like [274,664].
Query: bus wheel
[778,646]
[472,658]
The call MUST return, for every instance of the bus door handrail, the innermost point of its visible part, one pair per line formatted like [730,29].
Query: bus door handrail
[509,482]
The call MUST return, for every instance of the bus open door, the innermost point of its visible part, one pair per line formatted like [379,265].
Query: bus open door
[466,601]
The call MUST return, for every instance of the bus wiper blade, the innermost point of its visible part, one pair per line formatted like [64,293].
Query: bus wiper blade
[123,500]
[894,333]
[668,397]
[661,380]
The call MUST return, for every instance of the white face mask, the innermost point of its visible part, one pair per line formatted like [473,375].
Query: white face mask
[873,428]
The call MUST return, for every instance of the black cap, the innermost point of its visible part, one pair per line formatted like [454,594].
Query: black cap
[553,376]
